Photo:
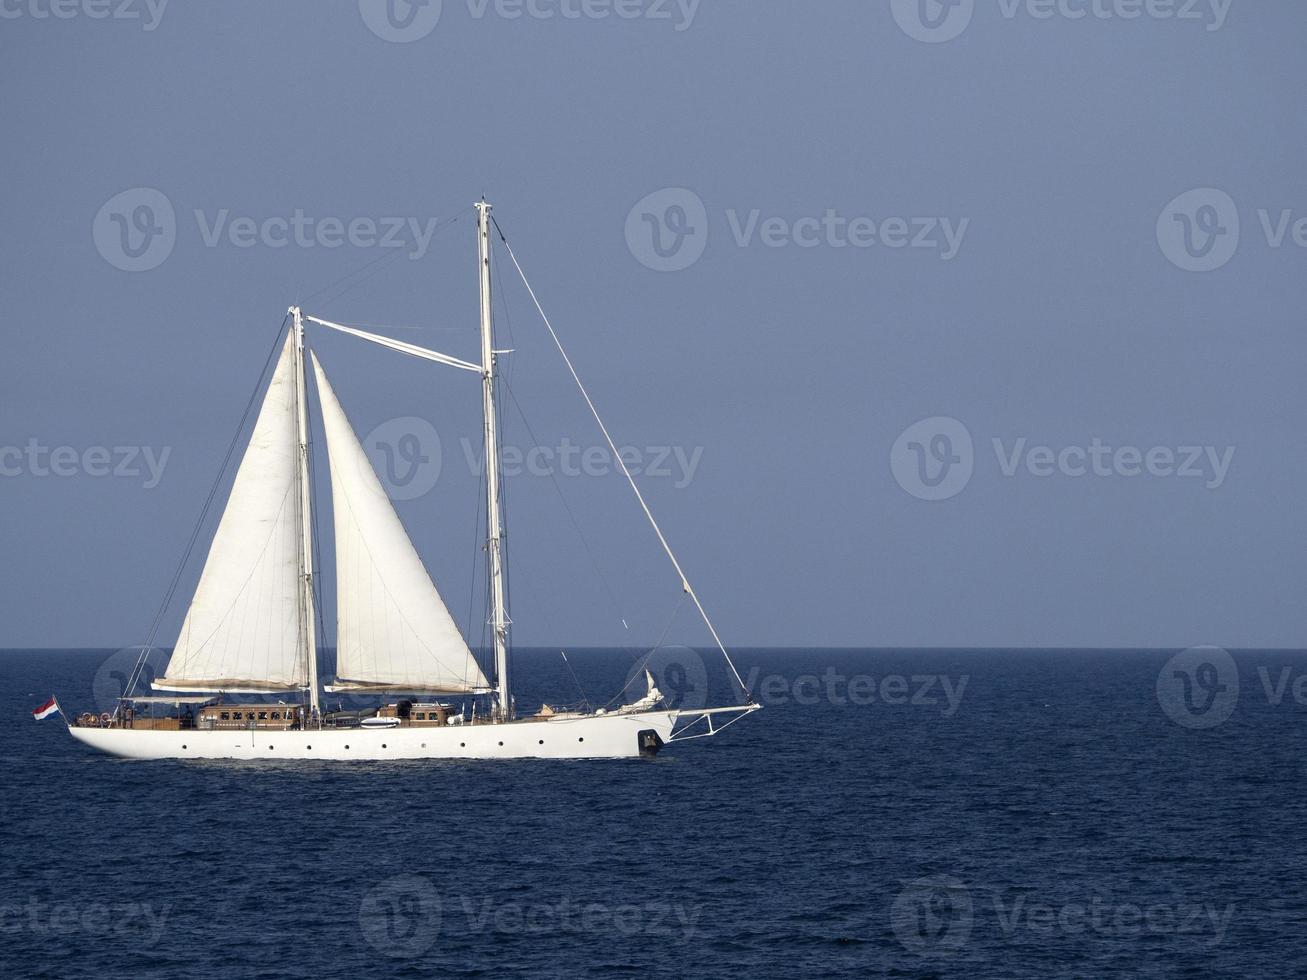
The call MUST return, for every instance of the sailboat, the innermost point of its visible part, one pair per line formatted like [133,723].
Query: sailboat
[251,627]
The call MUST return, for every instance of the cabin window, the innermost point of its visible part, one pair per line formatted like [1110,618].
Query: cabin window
[263,716]
[276,716]
[225,715]
[421,716]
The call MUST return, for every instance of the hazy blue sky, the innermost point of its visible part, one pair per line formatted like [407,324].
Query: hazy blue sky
[776,236]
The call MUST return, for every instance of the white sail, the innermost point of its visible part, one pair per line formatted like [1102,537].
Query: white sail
[393,630]
[243,631]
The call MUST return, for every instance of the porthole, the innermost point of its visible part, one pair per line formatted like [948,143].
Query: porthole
[183,746]
[542,741]
[269,748]
[581,739]
[308,746]
[347,746]
[424,745]
[383,745]
[462,745]
[501,744]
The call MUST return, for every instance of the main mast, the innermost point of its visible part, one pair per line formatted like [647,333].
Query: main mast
[494,523]
[307,617]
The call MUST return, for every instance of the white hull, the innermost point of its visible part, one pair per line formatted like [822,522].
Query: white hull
[610,736]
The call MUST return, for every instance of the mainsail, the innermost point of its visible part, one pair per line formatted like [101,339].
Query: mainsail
[243,631]
[393,630]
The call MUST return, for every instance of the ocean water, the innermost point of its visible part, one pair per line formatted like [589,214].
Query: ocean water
[889,813]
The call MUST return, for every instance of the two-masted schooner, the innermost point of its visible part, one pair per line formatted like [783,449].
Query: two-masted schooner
[251,625]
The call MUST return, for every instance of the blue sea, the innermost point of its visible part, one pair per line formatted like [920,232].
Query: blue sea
[905,813]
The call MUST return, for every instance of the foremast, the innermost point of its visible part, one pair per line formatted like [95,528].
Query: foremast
[494,522]
[308,618]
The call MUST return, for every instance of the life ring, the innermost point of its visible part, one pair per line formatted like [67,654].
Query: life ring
[105,718]
[86,718]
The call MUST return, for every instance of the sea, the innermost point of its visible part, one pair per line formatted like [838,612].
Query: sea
[900,813]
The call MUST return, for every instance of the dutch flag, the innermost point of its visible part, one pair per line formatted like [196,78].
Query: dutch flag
[51,707]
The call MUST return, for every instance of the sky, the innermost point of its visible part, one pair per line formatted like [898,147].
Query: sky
[928,324]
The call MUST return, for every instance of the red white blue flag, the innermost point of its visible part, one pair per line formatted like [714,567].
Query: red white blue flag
[51,707]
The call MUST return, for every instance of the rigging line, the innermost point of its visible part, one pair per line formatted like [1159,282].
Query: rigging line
[375,265]
[585,701]
[441,225]
[549,620]
[135,676]
[585,543]
[635,672]
[685,582]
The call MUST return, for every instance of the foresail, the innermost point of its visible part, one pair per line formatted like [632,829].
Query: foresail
[393,630]
[243,629]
